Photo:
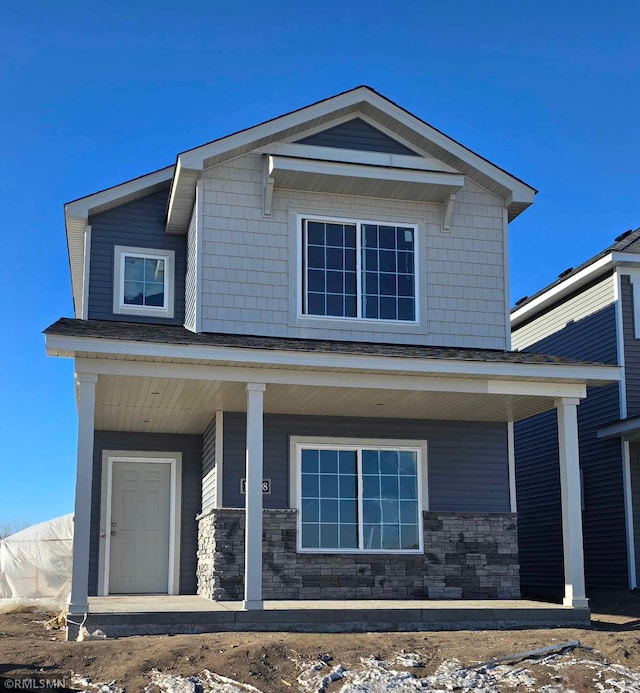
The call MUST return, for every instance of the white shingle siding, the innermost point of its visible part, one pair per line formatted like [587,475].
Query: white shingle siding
[191,276]
[585,303]
[247,266]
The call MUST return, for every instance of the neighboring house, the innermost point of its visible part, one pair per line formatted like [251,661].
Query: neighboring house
[308,318]
[591,313]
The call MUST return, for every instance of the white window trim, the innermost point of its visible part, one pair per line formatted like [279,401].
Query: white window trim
[358,222]
[119,306]
[298,443]
[175,512]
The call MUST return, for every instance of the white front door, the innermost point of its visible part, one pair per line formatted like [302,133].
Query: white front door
[140,527]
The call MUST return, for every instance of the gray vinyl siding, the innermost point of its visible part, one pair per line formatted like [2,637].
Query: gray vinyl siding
[191,275]
[191,448]
[250,269]
[631,349]
[357,134]
[209,471]
[467,463]
[139,224]
[582,327]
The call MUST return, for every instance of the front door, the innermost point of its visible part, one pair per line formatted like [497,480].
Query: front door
[139,532]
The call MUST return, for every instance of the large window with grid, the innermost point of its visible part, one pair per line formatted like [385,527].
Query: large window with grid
[359,497]
[358,269]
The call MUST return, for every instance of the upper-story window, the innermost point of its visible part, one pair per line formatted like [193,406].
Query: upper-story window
[143,282]
[358,269]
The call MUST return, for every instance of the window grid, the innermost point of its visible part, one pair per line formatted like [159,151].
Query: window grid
[146,283]
[401,305]
[147,262]
[411,529]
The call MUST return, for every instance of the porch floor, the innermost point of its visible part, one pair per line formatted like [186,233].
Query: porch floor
[160,614]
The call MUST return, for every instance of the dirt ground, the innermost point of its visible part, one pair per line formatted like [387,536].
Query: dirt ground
[272,662]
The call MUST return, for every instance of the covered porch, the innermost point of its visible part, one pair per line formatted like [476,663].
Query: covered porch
[452,407]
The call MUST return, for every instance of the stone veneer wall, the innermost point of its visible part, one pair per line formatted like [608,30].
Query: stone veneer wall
[466,556]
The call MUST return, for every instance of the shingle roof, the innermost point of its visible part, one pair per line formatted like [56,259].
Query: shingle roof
[626,242]
[171,334]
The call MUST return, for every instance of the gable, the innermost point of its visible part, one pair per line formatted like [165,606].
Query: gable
[357,134]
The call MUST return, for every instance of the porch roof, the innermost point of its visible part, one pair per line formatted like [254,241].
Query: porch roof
[159,378]
[178,335]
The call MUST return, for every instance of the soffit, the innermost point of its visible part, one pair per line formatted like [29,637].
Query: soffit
[187,406]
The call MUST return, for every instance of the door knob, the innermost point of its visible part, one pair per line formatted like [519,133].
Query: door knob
[113,532]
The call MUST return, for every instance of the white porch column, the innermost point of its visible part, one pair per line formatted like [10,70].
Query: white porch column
[253,498]
[574,592]
[86,384]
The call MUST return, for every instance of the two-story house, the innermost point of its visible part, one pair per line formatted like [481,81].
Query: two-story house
[590,312]
[293,369]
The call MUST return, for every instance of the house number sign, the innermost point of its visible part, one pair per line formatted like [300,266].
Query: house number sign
[266,485]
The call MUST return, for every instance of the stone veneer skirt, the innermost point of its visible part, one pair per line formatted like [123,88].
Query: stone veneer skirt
[466,556]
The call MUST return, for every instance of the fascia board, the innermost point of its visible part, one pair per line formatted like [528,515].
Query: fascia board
[335,168]
[86,205]
[620,429]
[574,282]
[323,378]
[520,191]
[196,157]
[563,289]
[76,216]
[601,374]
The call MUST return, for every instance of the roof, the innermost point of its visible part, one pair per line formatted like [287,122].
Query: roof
[627,242]
[361,101]
[177,335]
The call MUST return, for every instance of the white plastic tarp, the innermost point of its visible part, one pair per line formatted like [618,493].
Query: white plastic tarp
[35,566]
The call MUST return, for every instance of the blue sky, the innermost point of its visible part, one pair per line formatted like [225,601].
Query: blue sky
[93,94]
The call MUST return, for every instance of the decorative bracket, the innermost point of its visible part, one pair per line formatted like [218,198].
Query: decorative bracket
[447,212]
[268,184]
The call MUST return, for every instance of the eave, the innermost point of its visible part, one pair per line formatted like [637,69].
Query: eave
[573,283]
[361,102]
[77,213]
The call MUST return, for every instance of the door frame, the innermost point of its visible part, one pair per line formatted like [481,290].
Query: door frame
[175,506]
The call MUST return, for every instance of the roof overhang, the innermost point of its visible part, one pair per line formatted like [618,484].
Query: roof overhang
[364,180]
[572,284]
[555,374]
[627,429]
[175,388]
[361,102]
[77,213]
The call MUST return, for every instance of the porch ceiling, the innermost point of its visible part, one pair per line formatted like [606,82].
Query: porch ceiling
[150,404]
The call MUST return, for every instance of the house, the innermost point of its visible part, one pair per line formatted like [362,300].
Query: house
[590,312]
[293,371]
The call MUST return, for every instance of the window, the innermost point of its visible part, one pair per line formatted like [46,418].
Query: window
[359,497]
[143,281]
[357,269]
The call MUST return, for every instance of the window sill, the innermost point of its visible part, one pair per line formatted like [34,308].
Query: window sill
[358,552]
[142,311]
[358,324]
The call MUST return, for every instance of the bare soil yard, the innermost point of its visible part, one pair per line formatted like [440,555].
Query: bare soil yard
[281,662]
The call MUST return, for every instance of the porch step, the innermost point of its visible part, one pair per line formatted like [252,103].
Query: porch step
[117,620]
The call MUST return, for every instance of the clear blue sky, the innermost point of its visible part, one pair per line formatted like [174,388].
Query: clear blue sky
[92,94]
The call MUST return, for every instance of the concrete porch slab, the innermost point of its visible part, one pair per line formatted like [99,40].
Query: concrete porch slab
[121,616]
